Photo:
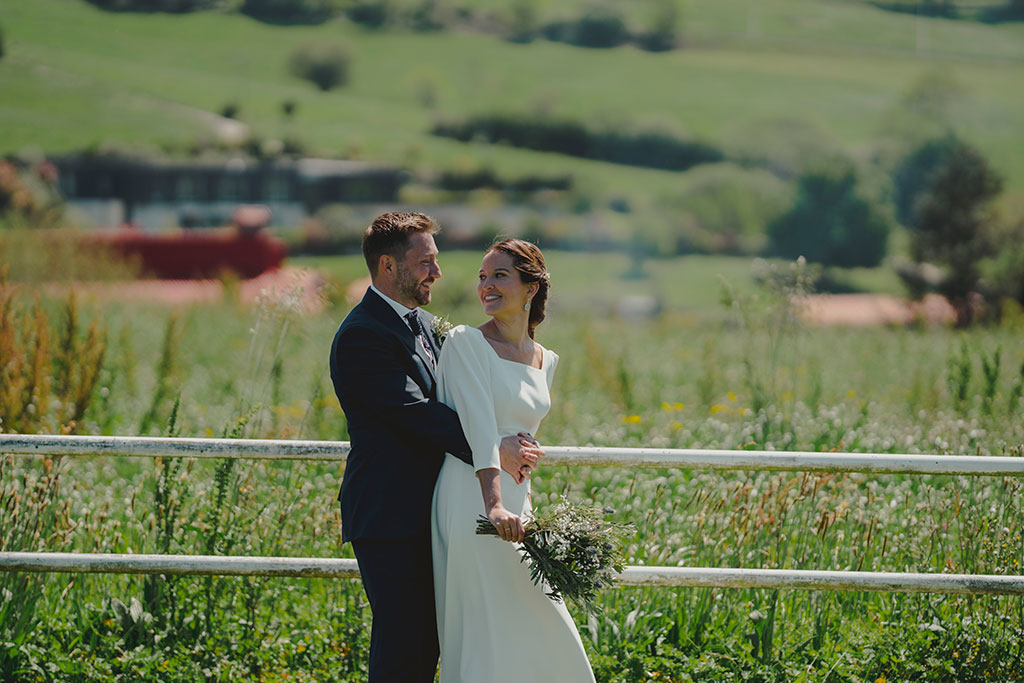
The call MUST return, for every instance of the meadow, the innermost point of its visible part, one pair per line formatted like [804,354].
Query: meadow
[762,80]
[713,369]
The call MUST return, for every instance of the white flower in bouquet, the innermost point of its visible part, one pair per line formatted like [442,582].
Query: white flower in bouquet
[572,549]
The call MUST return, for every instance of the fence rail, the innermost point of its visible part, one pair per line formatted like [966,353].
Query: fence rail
[875,463]
[667,458]
[694,577]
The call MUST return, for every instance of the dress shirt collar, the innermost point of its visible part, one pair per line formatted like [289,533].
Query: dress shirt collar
[401,310]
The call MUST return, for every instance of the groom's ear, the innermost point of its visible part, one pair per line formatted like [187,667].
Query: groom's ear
[386,265]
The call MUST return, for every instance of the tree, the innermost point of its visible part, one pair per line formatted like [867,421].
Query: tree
[324,64]
[950,215]
[831,222]
[912,177]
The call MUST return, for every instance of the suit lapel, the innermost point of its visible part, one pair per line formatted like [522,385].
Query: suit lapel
[422,372]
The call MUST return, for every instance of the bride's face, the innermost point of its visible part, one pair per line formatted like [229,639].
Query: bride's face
[501,289]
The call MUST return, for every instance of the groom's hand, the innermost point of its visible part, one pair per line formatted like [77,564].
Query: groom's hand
[520,454]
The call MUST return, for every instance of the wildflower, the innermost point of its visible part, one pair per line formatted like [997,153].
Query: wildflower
[732,396]
[632,419]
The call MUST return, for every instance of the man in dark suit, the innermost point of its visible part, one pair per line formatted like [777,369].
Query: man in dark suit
[383,362]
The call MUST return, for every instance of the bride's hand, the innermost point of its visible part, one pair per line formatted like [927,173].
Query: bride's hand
[520,455]
[509,526]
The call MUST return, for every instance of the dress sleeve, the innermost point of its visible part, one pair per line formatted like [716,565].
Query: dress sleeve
[464,383]
[550,363]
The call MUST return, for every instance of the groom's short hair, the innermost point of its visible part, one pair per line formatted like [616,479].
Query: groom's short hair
[389,234]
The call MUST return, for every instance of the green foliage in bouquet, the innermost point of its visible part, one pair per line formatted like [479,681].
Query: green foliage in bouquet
[572,549]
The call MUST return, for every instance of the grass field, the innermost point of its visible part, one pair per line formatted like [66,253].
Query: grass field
[75,76]
[691,377]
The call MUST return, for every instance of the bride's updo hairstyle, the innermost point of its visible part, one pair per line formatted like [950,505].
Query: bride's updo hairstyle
[529,263]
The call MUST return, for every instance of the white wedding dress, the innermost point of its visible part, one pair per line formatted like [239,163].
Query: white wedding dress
[494,624]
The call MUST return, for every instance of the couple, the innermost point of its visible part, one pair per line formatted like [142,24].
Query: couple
[440,437]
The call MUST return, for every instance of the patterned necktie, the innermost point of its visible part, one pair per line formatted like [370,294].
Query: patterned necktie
[421,334]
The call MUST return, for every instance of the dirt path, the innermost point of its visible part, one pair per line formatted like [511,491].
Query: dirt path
[865,310]
[300,283]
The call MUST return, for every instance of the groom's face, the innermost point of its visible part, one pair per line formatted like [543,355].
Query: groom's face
[416,271]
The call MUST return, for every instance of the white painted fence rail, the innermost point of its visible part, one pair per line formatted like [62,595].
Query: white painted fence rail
[694,577]
[267,449]
[876,463]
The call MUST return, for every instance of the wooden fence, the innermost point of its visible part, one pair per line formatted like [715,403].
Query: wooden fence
[875,463]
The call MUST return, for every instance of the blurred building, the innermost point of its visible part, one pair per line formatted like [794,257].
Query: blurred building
[109,191]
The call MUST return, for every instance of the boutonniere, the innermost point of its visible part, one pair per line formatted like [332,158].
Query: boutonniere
[441,327]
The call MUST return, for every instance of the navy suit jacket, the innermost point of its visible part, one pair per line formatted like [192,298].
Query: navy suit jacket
[398,430]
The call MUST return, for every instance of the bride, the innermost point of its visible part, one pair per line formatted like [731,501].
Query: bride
[494,624]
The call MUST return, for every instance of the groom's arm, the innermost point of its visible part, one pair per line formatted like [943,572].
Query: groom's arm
[368,376]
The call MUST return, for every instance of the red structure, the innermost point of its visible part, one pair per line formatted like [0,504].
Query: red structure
[246,249]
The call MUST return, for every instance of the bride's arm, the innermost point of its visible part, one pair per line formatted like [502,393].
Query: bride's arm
[509,526]
[464,382]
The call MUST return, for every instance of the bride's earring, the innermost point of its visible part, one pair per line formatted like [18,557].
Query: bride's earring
[526,306]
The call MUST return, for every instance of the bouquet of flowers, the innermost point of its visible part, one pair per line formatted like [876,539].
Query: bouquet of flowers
[572,549]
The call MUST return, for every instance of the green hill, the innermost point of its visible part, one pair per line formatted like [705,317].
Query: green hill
[75,76]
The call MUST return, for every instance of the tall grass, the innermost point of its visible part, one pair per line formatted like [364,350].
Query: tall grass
[668,381]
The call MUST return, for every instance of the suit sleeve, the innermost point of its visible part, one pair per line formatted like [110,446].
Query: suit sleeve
[464,381]
[367,373]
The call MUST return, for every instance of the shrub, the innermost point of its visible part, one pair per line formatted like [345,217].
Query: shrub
[289,11]
[174,6]
[230,110]
[651,148]
[831,222]
[600,27]
[370,13]
[326,65]
[725,209]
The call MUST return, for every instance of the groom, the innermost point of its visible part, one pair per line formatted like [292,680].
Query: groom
[383,363]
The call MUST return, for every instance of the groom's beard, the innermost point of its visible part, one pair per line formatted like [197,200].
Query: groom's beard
[409,286]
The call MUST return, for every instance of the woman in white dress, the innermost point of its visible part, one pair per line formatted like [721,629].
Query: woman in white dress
[494,624]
